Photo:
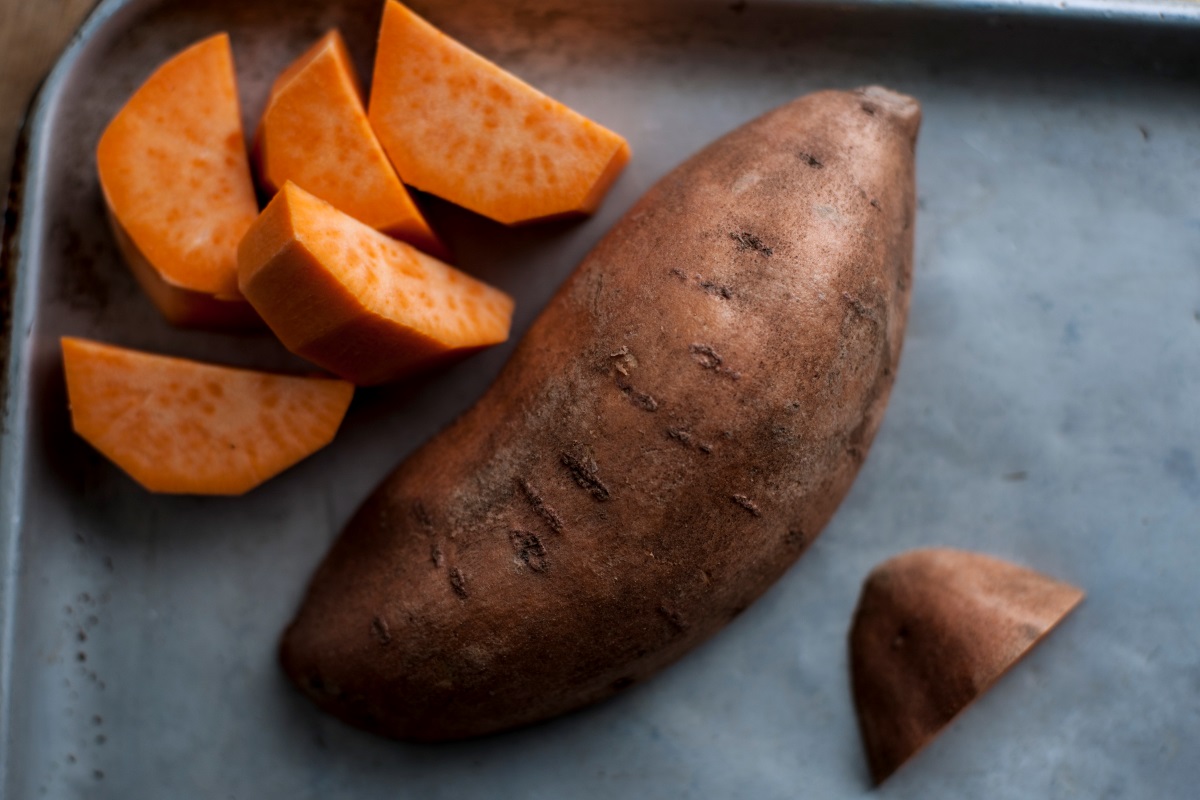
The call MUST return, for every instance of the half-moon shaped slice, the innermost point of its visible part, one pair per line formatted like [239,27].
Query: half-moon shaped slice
[934,629]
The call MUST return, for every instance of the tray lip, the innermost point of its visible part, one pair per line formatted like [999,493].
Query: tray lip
[18,245]
[19,252]
[1170,13]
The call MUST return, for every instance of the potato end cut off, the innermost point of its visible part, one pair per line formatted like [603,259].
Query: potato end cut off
[175,175]
[183,427]
[933,631]
[358,303]
[315,133]
[458,126]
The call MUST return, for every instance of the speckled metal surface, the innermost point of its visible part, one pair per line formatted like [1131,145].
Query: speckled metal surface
[1047,411]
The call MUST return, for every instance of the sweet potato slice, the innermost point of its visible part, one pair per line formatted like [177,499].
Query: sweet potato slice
[176,179]
[360,304]
[183,427]
[458,126]
[935,629]
[315,133]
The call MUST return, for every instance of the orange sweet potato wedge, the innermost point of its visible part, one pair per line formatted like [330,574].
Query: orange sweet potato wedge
[182,427]
[362,305]
[315,133]
[458,126]
[176,179]
[934,630]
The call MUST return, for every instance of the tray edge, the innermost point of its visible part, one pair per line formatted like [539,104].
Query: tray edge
[17,248]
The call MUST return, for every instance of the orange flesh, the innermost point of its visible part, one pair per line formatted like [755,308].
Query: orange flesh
[183,427]
[458,126]
[183,307]
[315,133]
[174,170]
[360,304]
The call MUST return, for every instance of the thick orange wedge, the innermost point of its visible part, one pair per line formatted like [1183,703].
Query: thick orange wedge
[358,303]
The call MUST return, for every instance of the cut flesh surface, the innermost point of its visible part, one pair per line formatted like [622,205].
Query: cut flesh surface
[315,133]
[185,427]
[460,127]
[361,304]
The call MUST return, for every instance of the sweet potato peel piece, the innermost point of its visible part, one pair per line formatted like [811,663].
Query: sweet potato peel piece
[358,303]
[176,179]
[934,630]
[183,427]
[460,127]
[315,133]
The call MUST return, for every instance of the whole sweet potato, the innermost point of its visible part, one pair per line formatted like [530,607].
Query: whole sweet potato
[673,431]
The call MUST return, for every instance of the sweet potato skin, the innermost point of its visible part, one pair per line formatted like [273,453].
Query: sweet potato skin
[934,629]
[674,430]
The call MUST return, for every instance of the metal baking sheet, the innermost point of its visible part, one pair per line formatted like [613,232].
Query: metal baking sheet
[1047,410]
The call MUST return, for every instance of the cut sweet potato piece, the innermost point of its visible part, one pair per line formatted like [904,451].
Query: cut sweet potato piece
[176,179]
[184,307]
[315,133]
[183,427]
[458,126]
[358,303]
[935,629]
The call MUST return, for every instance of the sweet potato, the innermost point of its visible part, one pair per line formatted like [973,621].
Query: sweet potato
[935,629]
[176,180]
[360,304]
[183,427]
[458,126]
[315,133]
[675,429]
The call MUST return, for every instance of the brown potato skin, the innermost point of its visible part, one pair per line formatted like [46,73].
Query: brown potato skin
[934,629]
[676,427]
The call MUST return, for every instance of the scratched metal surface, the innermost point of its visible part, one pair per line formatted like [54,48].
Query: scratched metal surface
[1047,410]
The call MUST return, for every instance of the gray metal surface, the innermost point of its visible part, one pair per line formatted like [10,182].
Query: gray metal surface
[1047,410]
